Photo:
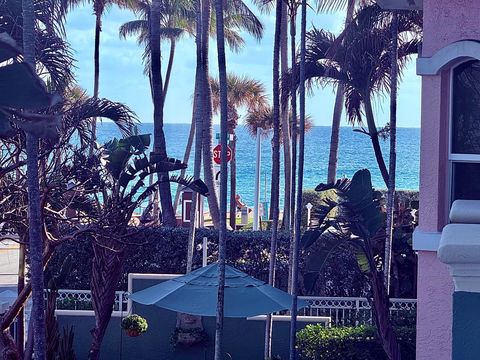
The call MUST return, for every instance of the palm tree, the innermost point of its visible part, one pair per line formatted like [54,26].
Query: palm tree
[35,225]
[359,59]
[222,254]
[338,107]
[299,194]
[393,151]
[243,92]
[275,189]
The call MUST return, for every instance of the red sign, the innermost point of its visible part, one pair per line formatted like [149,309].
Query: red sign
[216,153]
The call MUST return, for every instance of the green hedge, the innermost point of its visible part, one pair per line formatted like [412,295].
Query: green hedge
[315,342]
[165,251]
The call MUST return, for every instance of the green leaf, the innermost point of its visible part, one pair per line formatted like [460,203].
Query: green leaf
[8,47]
[21,88]
[309,238]
[116,161]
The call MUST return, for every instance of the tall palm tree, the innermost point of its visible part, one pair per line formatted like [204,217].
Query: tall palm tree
[299,194]
[222,254]
[338,107]
[233,11]
[35,225]
[275,189]
[393,151]
[243,92]
[359,59]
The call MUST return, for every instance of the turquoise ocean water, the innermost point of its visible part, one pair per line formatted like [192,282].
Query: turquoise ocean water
[355,153]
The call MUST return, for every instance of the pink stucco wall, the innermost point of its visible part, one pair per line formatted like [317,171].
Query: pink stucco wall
[445,22]
[434,322]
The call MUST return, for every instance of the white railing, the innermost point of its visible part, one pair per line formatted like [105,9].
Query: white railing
[82,300]
[341,310]
[354,310]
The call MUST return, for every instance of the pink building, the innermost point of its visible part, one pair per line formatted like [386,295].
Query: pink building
[449,64]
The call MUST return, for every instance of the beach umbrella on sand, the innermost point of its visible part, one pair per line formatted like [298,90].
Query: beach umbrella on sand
[196,294]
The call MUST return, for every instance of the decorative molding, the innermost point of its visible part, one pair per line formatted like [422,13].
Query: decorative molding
[448,56]
[460,250]
[425,240]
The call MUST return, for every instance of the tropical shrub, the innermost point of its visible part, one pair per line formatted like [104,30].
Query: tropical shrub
[315,342]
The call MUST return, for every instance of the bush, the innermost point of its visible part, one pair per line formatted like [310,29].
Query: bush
[135,323]
[315,342]
[162,250]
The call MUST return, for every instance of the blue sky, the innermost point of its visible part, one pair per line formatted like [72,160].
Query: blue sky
[122,79]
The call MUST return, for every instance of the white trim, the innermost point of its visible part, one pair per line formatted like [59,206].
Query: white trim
[425,240]
[460,250]
[310,319]
[86,313]
[464,157]
[459,51]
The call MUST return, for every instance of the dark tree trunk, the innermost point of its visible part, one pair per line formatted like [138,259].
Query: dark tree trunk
[206,99]
[222,72]
[287,156]
[393,153]
[373,133]
[293,105]
[275,189]
[233,183]
[20,335]
[337,115]
[299,198]
[34,211]
[106,273]
[96,68]
[159,143]
[168,74]
[197,124]
[381,312]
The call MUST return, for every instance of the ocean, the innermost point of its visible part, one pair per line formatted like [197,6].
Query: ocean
[355,153]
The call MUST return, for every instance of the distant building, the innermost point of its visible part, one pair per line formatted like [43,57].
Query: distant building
[449,64]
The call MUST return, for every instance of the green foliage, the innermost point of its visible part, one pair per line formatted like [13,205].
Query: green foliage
[21,88]
[65,348]
[135,322]
[188,337]
[315,342]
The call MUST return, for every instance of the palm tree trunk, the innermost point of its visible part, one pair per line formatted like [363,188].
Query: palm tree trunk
[287,160]
[299,199]
[197,124]
[275,189]
[159,144]
[34,211]
[20,335]
[168,74]
[106,273]
[381,312]
[96,71]
[293,105]
[373,133]
[208,119]
[337,115]
[222,72]
[188,150]
[393,152]
[233,183]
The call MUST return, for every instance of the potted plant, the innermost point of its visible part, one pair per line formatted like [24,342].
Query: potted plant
[134,325]
[189,337]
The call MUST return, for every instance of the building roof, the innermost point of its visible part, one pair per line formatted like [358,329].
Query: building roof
[401,4]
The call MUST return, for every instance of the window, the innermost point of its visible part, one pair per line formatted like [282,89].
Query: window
[464,152]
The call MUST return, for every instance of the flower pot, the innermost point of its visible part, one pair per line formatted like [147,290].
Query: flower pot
[133,332]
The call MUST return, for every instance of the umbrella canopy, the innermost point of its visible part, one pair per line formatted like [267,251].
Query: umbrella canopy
[196,294]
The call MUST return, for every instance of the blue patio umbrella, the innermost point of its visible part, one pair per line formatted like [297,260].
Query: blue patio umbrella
[196,294]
